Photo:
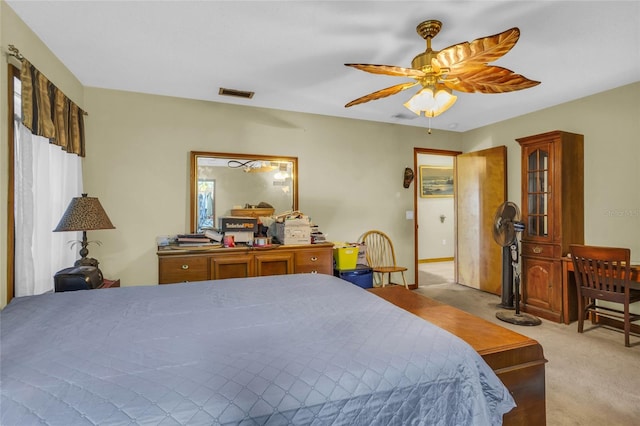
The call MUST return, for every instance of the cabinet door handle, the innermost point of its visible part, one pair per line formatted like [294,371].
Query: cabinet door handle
[185,266]
[314,258]
[537,250]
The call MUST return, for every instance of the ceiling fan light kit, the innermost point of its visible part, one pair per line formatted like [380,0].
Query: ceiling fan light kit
[463,67]
[432,101]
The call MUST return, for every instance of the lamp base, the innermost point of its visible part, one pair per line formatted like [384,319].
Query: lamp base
[86,261]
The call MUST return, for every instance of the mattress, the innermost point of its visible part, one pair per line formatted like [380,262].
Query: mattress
[306,349]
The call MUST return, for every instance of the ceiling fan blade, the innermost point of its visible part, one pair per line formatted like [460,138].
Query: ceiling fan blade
[487,79]
[388,70]
[479,51]
[382,93]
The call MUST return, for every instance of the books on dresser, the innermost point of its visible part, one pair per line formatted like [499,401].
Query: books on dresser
[193,240]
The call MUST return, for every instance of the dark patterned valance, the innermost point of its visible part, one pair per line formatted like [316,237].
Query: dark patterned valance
[47,112]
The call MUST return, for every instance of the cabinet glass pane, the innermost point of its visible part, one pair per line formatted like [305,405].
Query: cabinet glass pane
[533,161]
[533,206]
[544,207]
[532,228]
[533,178]
[541,204]
[537,197]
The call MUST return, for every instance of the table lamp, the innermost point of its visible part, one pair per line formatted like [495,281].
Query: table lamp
[84,214]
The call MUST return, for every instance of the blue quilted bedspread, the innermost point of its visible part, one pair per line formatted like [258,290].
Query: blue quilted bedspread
[295,349]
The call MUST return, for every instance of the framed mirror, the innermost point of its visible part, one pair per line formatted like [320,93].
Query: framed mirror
[224,184]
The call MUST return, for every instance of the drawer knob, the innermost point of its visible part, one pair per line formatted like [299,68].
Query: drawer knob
[185,266]
[314,258]
[314,272]
[537,250]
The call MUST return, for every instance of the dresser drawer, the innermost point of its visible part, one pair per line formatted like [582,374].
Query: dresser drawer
[314,261]
[541,250]
[232,266]
[181,269]
[219,263]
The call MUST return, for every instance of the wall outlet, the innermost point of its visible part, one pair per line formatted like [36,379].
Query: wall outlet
[444,242]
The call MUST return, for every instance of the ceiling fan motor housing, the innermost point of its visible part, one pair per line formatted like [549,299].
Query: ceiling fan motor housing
[427,30]
[422,61]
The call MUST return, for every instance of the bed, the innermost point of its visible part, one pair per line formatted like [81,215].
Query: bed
[293,349]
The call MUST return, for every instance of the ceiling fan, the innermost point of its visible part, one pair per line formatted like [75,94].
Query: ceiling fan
[463,67]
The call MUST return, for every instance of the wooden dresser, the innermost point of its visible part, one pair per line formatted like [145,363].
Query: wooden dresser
[176,265]
[553,214]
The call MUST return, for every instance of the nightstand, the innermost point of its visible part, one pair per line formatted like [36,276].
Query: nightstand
[110,283]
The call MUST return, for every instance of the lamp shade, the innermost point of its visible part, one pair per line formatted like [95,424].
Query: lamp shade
[84,214]
[433,101]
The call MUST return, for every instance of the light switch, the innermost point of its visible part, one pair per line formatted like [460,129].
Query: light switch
[409,214]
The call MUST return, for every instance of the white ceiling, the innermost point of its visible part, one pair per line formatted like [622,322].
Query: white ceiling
[292,53]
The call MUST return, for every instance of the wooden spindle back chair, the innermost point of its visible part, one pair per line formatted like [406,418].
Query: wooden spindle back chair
[381,256]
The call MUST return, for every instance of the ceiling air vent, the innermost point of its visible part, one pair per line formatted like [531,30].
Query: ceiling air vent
[403,116]
[236,93]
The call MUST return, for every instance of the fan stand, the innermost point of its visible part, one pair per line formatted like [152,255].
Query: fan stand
[506,295]
[517,318]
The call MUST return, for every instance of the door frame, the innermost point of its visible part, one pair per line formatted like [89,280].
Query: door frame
[416,167]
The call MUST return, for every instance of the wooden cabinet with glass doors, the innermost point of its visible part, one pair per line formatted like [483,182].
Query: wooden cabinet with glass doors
[553,213]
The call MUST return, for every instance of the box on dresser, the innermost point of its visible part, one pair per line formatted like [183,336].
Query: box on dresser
[238,224]
[293,231]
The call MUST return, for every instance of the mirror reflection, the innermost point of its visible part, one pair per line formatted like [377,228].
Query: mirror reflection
[224,184]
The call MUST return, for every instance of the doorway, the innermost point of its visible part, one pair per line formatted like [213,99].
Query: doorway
[434,206]
[480,186]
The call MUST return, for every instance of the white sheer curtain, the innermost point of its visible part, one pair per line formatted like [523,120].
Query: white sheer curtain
[46,179]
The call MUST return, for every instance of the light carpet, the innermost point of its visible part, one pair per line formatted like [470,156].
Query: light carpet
[591,378]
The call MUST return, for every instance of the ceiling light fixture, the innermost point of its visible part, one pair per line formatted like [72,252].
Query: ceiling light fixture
[432,101]
[463,67]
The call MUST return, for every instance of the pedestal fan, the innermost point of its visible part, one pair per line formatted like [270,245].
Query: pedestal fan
[506,226]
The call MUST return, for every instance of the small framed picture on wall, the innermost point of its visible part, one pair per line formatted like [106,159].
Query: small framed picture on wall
[436,181]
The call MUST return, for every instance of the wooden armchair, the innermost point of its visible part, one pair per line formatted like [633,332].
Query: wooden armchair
[604,274]
[381,256]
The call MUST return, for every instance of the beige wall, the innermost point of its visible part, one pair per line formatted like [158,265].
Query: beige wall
[14,31]
[350,172]
[610,123]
